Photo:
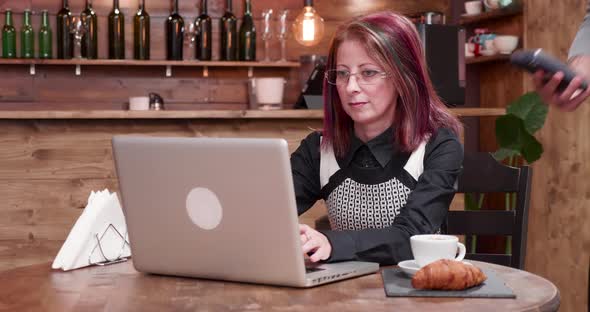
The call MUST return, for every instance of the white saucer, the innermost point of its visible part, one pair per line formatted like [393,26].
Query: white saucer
[410,267]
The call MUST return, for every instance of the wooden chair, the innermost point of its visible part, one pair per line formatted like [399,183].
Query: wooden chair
[483,174]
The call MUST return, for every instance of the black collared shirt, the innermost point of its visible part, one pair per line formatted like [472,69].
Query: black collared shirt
[376,152]
[423,212]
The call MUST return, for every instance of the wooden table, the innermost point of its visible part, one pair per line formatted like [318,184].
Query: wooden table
[120,288]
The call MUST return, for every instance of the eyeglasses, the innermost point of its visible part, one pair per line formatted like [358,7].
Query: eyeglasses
[364,77]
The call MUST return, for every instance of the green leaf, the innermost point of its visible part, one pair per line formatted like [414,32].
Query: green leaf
[509,132]
[504,153]
[532,149]
[531,109]
[512,135]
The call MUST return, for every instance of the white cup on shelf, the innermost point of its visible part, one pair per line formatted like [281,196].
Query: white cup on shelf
[269,92]
[139,103]
[505,44]
[473,7]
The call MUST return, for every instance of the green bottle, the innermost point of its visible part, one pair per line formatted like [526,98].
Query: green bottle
[228,26]
[247,38]
[174,34]
[65,46]
[203,38]
[8,37]
[116,32]
[90,39]
[27,37]
[45,47]
[141,33]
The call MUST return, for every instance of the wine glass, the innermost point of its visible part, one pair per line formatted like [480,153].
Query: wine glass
[78,28]
[267,32]
[190,35]
[283,34]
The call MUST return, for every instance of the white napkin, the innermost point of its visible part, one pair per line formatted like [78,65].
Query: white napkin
[102,216]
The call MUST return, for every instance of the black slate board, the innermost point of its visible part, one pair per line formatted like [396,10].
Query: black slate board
[398,284]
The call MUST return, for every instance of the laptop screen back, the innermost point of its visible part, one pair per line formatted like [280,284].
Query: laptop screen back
[211,208]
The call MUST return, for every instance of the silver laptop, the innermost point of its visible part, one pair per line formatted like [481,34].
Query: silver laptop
[217,209]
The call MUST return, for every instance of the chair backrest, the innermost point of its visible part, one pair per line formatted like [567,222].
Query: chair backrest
[483,174]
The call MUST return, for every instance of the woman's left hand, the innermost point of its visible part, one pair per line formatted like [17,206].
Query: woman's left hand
[315,243]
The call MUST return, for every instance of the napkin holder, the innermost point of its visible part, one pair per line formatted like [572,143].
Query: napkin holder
[99,236]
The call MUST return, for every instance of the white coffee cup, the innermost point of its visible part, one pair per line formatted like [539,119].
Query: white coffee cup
[428,248]
[139,103]
[473,7]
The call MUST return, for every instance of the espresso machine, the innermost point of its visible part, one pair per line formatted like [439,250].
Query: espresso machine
[444,46]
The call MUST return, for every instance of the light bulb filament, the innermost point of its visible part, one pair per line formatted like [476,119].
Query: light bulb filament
[308,30]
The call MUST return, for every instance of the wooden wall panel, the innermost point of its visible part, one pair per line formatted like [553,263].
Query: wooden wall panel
[57,87]
[57,195]
[15,90]
[559,235]
[48,169]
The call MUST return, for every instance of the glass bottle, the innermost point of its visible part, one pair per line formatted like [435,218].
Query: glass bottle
[65,46]
[45,40]
[203,38]
[228,31]
[8,37]
[141,33]
[27,37]
[116,22]
[247,35]
[90,38]
[174,34]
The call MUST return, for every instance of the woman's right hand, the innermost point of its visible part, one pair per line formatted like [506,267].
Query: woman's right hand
[314,243]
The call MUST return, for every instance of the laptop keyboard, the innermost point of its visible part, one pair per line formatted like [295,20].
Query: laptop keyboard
[312,269]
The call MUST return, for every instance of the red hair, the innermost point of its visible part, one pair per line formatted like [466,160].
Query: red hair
[393,42]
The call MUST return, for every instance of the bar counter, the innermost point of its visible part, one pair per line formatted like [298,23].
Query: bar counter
[204,114]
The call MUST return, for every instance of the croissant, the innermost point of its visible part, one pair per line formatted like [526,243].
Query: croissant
[448,275]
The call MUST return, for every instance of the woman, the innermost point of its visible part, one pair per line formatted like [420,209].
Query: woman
[388,158]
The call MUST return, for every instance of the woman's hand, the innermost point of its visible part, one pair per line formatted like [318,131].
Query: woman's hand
[315,243]
[571,97]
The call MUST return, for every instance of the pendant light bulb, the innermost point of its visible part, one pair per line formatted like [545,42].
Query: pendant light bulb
[308,27]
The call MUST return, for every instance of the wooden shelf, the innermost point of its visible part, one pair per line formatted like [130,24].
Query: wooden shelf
[204,65]
[485,59]
[104,62]
[164,114]
[514,9]
[478,112]
[207,114]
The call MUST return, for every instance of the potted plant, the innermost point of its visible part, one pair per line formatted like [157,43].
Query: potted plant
[515,137]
